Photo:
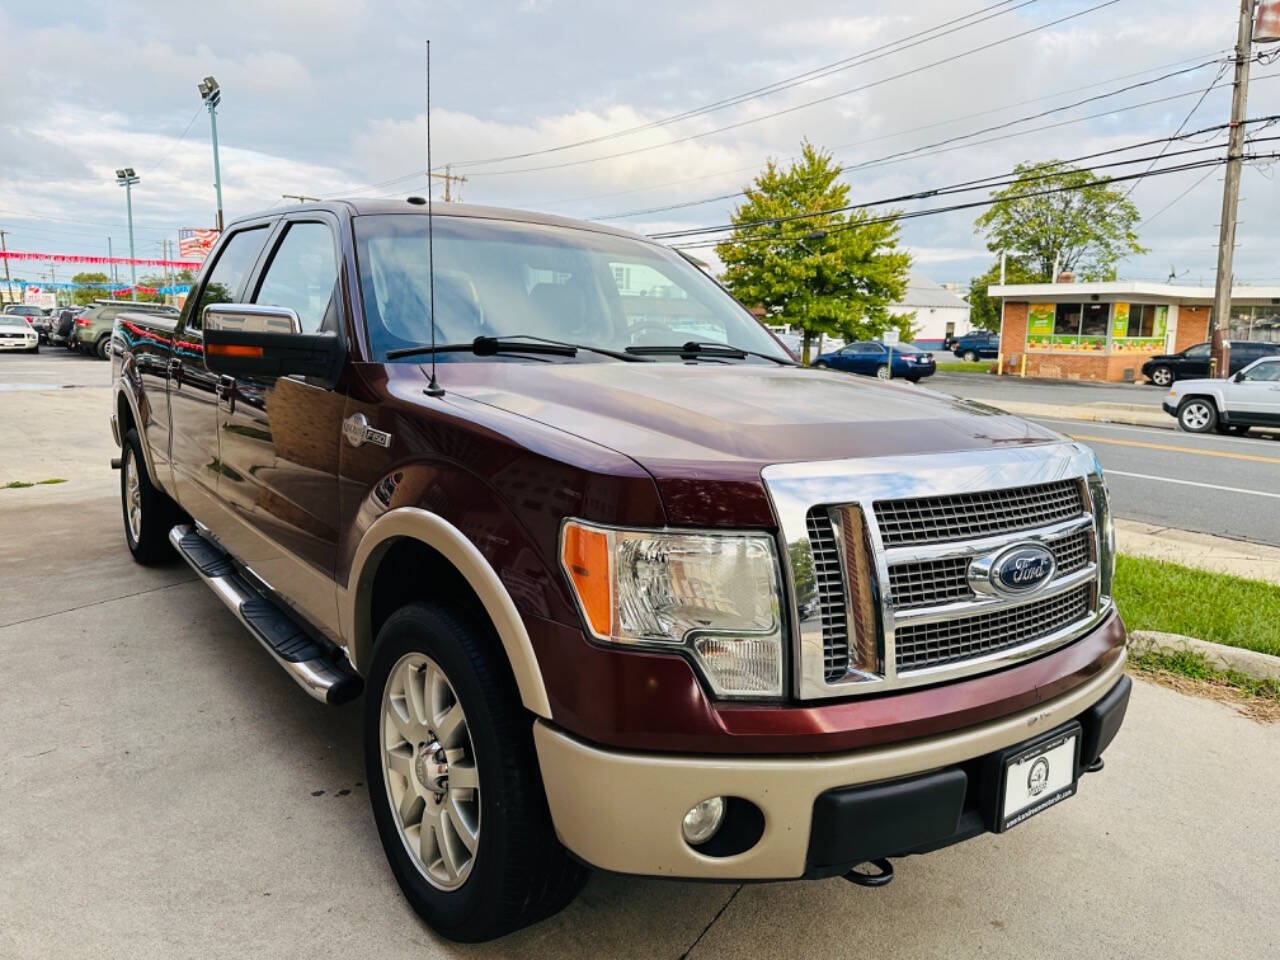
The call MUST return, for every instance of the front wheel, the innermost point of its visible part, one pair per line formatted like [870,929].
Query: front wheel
[1162,376]
[454,781]
[1197,415]
[820,365]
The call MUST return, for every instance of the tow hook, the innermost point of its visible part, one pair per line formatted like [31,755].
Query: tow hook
[881,879]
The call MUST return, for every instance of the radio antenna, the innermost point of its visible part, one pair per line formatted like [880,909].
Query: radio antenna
[433,388]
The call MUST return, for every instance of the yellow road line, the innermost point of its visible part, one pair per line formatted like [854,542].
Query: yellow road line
[1253,457]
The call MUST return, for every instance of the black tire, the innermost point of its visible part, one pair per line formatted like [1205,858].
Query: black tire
[150,545]
[821,365]
[971,356]
[1197,415]
[35,349]
[1162,376]
[521,874]
[103,347]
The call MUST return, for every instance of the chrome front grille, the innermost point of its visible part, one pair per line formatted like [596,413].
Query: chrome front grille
[922,576]
[919,646]
[968,515]
[830,599]
[929,583]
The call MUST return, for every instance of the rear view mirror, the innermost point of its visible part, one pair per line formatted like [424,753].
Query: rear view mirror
[251,340]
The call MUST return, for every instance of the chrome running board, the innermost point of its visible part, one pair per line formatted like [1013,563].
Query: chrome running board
[317,666]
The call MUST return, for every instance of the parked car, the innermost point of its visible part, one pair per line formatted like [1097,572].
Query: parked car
[37,317]
[91,332]
[1250,398]
[62,325]
[979,345]
[1194,361]
[17,334]
[871,358]
[614,597]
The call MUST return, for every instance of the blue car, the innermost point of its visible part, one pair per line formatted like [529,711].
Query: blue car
[871,358]
[978,345]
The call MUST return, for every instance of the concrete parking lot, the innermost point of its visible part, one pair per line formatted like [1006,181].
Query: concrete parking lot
[165,791]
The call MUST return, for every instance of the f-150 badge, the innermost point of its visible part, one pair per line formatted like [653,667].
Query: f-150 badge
[357,431]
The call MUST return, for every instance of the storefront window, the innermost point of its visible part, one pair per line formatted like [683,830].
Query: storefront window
[1066,321]
[1094,320]
[1255,323]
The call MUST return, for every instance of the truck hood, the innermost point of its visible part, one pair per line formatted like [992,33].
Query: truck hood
[709,413]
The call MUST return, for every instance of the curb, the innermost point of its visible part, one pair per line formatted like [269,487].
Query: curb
[1260,665]
[1083,413]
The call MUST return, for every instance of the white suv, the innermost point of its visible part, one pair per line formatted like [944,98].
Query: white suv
[1251,398]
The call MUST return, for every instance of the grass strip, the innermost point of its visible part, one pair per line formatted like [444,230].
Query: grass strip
[1192,673]
[1168,597]
[963,366]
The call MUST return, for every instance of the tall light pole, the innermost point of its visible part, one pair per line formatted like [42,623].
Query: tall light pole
[211,94]
[126,177]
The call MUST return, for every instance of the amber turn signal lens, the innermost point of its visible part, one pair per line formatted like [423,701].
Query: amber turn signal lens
[586,558]
[233,350]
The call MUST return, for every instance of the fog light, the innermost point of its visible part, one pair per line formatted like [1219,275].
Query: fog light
[703,820]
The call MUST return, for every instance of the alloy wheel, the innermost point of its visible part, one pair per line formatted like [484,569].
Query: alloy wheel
[882,372]
[132,495]
[1161,376]
[1196,415]
[429,769]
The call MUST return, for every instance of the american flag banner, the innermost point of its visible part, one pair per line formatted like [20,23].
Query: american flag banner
[195,244]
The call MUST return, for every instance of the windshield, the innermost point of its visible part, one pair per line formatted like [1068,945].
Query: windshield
[11,320]
[497,278]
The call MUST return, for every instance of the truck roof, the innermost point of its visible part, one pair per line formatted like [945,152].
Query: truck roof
[358,206]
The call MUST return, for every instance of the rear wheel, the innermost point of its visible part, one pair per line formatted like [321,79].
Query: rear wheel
[1161,376]
[103,347]
[457,796]
[882,371]
[148,513]
[971,356]
[1197,415]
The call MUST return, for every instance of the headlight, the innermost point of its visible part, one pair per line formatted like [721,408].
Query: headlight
[1099,498]
[715,596]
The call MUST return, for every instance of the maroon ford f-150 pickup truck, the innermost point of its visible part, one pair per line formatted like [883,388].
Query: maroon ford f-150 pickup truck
[621,584]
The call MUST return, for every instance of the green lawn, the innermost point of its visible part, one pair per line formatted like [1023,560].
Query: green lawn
[1156,595]
[963,366]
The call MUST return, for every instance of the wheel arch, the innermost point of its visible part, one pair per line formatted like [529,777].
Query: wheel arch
[128,416]
[442,547]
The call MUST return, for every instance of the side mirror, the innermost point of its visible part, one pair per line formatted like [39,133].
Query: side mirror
[1239,377]
[253,340]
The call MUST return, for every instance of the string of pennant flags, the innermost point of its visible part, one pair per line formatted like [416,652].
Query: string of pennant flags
[37,286]
[98,261]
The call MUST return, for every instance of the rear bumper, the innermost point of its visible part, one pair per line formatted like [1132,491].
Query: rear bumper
[622,811]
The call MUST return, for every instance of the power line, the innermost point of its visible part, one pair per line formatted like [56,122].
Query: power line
[970,205]
[792,109]
[1215,54]
[847,63]
[958,137]
[1199,180]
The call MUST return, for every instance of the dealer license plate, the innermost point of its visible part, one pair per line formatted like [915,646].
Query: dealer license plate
[1039,775]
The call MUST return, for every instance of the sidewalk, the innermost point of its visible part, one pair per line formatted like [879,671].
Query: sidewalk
[1241,558]
[1136,414]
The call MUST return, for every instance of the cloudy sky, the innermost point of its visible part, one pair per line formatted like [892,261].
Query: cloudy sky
[326,98]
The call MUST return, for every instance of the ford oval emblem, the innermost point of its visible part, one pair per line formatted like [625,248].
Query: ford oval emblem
[1022,568]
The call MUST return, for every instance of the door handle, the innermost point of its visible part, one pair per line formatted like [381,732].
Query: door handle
[226,390]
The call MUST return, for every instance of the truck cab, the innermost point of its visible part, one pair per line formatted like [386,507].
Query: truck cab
[620,584]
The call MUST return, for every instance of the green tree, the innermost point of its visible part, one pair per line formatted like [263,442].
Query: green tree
[85,295]
[984,311]
[835,272]
[1086,229]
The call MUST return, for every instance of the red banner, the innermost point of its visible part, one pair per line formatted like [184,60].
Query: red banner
[101,261]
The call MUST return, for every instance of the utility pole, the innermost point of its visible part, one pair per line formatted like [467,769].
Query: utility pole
[1220,319]
[7,282]
[448,178]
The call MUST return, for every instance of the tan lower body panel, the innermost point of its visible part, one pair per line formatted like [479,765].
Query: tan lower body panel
[622,811]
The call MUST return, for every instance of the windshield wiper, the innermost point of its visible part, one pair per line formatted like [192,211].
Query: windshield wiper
[513,343]
[693,349]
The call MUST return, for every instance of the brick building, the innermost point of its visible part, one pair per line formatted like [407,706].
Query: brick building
[1104,331]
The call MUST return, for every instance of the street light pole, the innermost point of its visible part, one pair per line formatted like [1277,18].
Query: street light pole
[126,177]
[211,94]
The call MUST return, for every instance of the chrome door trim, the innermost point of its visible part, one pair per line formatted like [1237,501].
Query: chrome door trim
[795,488]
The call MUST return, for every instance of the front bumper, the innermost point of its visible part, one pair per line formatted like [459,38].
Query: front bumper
[23,344]
[622,811]
[1170,408]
